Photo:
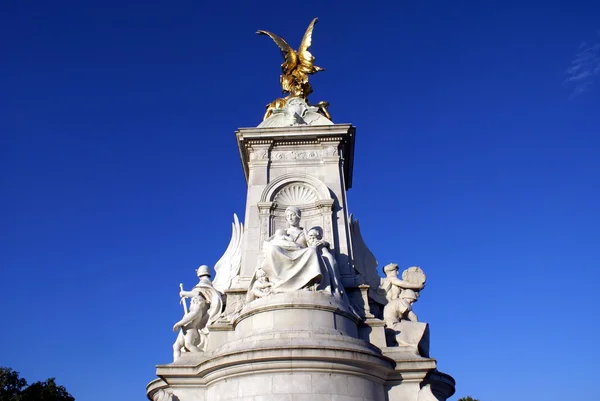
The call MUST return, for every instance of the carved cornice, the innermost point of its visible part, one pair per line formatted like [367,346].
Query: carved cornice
[330,143]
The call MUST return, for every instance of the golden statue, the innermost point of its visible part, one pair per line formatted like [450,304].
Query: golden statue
[296,68]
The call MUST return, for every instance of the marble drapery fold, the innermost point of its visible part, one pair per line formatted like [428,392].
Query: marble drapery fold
[296,259]
[291,267]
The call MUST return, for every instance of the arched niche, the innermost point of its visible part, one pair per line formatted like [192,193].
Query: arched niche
[306,192]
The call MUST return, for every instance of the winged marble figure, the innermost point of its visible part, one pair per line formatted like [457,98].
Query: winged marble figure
[227,269]
[296,68]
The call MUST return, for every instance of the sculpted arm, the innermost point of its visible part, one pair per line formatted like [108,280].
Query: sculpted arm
[412,316]
[189,294]
[261,287]
[405,284]
[190,316]
[320,244]
[324,244]
[260,291]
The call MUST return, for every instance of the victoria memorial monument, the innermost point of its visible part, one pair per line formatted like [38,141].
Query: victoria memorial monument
[298,308]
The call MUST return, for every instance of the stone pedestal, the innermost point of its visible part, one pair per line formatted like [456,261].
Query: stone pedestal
[305,344]
[305,166]
[291,346]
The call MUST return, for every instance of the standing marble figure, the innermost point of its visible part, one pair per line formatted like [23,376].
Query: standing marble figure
[191,337]
[205,307]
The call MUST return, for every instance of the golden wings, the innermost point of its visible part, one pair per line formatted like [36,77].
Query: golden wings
[297,65]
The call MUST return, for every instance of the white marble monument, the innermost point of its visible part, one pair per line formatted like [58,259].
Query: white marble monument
[297,309]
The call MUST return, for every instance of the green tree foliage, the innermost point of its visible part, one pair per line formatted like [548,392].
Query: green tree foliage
[467,398]
[11,384]
[14,388]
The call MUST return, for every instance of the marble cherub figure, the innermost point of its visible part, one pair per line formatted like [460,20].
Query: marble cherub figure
[332,282]
[401,309]
[413,280]
[261,286]
[282,239]
[393,286]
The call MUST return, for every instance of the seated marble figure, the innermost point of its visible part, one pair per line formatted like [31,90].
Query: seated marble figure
[296,259]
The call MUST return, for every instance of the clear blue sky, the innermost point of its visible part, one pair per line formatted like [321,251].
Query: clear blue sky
[477,158]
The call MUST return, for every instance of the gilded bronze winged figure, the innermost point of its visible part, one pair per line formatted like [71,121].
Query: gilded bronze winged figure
[296,68]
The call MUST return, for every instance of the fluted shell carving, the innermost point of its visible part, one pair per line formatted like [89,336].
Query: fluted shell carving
[296,194]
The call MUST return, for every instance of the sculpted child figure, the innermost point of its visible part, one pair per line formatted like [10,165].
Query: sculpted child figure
[393,286]
[401,309]
[331,282]
[401,294]
[280,238]
[261,286]
[403,323]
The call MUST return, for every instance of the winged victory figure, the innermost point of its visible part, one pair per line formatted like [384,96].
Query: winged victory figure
[296,68]
[227,269]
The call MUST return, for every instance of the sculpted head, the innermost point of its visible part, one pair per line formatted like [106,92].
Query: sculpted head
[292,216]
[296,107]
[260,273]
[203,271]
[391,269]
[313,235]
[409,296]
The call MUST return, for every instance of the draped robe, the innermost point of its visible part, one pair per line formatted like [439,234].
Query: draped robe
[292,266]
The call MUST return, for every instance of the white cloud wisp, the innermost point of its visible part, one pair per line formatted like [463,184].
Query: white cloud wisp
[584,68]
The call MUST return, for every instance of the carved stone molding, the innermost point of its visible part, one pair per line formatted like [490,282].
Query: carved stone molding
[331,151]
[297,146]
[265,210]
[310,154]
[259,154]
